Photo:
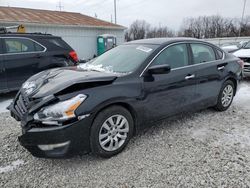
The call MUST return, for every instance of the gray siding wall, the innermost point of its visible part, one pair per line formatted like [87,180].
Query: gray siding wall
[82,39]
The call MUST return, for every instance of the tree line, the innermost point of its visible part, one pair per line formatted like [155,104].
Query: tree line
[199,27]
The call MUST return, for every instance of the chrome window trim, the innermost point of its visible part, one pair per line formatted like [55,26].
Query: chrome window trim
[18,53]
[187,42]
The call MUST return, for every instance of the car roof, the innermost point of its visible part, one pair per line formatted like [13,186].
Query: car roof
[29,35]
[160,41]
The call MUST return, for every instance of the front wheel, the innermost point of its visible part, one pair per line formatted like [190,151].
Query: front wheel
[111,131]
[226,96]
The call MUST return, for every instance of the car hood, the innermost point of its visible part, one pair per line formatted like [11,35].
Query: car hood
[230,48]
[242,53]
[55,80]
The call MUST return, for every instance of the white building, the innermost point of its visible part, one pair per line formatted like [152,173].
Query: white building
[78,30]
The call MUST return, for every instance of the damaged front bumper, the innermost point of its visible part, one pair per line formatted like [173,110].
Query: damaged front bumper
[57,142]
[50,141]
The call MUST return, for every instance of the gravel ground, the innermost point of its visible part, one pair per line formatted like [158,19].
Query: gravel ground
[205,149]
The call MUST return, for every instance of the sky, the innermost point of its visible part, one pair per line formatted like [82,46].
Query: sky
[156,12]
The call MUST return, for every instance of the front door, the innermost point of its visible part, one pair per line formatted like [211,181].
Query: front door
[172,93]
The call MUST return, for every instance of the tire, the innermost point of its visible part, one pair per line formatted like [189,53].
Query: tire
[109,137]
[223,106]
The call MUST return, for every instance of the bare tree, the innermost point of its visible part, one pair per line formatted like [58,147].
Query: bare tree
[245,27]
[137,30]
[159,32]
[200,27]
[211,27]
[140,29]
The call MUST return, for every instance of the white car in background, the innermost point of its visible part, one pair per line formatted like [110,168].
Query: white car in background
[244,55]
[233,46]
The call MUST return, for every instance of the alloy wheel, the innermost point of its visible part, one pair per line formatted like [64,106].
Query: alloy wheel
[113,133]
[227,96]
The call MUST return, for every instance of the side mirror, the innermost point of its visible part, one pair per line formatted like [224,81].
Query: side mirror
[159,69]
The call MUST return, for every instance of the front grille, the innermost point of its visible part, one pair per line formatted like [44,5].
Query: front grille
[246,63]
[247,67]
[245,59]
[21,104]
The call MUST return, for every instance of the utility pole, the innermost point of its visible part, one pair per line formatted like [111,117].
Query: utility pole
[242,17]
[115,11]
[60,5]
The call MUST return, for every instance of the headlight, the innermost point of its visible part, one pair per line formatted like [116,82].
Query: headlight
[61,111]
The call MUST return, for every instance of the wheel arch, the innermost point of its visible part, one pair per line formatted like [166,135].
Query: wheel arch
[125,105]
[235,83]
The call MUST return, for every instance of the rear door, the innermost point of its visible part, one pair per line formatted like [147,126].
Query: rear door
[3,84]
[210,72]
[22,57]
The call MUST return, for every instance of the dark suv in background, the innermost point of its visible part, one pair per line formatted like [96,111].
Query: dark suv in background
[23,55]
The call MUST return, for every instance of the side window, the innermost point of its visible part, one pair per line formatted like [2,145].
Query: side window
[202,53]
[175,56]
[38,47]
[220,54]
[19,45]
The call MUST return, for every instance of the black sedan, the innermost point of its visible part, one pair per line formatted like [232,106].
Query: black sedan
[98,106]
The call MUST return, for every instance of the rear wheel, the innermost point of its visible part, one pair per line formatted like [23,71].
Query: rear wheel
[111,131]
[226,96]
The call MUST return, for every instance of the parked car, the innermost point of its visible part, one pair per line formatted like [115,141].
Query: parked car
[23,55]
[233,47]
[244,55]
[100,105]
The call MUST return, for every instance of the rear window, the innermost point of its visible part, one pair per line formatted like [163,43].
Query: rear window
[202,53]
[58,42]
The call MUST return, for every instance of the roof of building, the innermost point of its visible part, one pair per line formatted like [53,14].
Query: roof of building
[37,16]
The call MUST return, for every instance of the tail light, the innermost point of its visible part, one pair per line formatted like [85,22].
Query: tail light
[241,63]
[74,56]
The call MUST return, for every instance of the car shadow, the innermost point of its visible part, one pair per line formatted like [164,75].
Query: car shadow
[175,122]
[7,96]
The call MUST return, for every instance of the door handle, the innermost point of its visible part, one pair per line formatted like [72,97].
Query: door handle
[221,68]
[188,77]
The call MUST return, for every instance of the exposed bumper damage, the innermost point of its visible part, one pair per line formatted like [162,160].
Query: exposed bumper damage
[51,141]
[63,140]
[56,142]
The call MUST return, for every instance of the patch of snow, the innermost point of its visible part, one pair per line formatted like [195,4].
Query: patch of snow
[201,133]
[12,166]
[242,98]
[4,104]
[99,68]
[237,136]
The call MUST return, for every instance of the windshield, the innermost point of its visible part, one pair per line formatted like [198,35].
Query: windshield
[247,46]
[122,59]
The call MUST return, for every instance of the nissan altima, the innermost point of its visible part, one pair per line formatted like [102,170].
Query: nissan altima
[98,106]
